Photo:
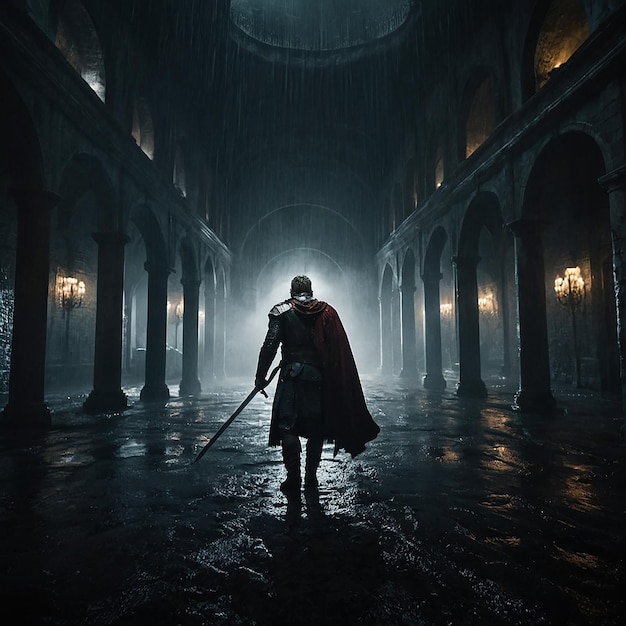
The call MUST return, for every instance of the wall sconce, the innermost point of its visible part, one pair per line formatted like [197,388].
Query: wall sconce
[70,292]
[570,288]
[570,291]
[487,303]
[445,310]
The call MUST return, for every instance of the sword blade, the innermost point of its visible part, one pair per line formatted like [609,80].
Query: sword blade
[227,423]
[230,420]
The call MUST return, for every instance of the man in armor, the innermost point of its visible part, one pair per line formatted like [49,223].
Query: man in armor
[319,395]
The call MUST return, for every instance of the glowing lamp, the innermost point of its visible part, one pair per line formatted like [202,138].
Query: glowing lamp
[570,288]
[71,292]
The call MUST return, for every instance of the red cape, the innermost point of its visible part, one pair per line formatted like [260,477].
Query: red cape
[347,418]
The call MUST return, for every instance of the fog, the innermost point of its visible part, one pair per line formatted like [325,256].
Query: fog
[348,292]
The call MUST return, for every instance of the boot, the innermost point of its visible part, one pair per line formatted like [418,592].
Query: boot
[313,455]
[291,459]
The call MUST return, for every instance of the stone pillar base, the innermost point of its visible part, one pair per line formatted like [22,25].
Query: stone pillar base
[474,389]
[26,417]
[158,393]
[190,388]
[534,401]
[102,402]
[434,383]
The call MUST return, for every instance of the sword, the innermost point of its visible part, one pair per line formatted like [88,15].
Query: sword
[230,420]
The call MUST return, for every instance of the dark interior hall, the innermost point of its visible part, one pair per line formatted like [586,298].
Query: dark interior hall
[451,174]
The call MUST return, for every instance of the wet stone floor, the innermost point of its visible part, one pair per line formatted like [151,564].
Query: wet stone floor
[461,512]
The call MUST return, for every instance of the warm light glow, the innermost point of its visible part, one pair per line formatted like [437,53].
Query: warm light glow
[180,310]
[570,288]
[564,29]
[445,309]
[70,292]
[487,303]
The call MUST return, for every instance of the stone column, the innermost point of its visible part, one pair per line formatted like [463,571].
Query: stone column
[107,394]
[155,389]
[534,392]
[209,334]
[386,346]
[26,407]
[503,305]
[470,381]
[432,320]
[409,348]
[220,337]
[190,385]
[396,330]
[615,185]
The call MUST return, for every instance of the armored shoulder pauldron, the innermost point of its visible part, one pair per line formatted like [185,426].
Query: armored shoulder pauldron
[279,309]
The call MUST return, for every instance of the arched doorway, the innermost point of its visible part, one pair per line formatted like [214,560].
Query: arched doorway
[157,267]
[480,295]
[563,193]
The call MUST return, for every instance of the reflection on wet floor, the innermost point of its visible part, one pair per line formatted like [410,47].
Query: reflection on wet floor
[461,512]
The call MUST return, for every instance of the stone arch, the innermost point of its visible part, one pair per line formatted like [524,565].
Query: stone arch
[479,292]
[479,111]
[151,232]
[282,215]
[157,267]
[86,211]
[305,254]
[556,30]
[82,174]
[386,320]
[321,234]
[431,278]
[77,39]
[408,317]
[25,168]
[564,196]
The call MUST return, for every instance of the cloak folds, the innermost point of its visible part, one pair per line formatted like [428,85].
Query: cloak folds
[349,422]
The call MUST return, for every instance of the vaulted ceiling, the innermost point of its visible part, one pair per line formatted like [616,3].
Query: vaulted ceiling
[295,100]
